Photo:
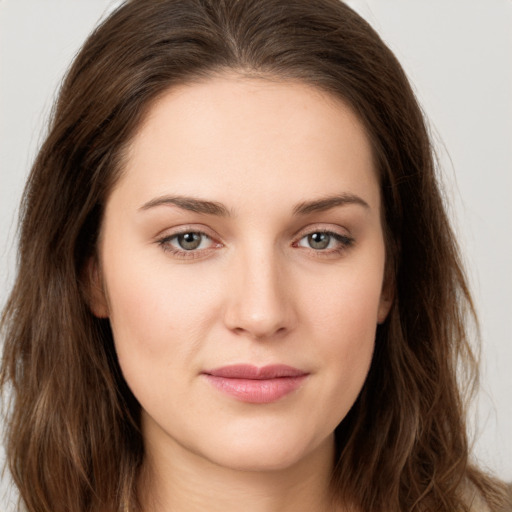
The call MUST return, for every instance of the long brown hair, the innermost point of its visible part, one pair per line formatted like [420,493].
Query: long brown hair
[73,437]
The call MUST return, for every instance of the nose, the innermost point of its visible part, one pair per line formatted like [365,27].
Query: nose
[259,297]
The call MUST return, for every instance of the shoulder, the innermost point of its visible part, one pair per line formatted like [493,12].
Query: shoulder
[477,503]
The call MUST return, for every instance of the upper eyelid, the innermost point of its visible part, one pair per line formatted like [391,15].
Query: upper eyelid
[180,230]
[323,228]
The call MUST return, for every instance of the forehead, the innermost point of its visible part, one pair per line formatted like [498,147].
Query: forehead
[236,135]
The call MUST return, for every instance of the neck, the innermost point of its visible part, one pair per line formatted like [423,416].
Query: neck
[180,481]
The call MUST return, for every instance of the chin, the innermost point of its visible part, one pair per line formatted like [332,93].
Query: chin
[269,455]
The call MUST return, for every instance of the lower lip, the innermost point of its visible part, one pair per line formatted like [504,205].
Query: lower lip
[257,391]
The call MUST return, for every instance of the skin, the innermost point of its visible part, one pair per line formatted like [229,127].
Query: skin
[254,291]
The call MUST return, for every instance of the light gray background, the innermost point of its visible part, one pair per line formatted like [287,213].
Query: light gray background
[458,54]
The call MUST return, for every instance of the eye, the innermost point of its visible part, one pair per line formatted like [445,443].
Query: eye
[187,242]
[325,241]
[190,241]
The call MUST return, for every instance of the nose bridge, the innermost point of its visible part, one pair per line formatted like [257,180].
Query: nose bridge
[259,304]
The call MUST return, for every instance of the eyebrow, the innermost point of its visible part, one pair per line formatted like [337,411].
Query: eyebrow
[329,202]
[196,205]
[191,204]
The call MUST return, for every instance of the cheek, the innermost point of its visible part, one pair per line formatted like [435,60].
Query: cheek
[349,338]
[158,317]
[343,317]
[346,302]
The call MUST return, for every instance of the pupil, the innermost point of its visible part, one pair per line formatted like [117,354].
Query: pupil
[189,241]
[319,240]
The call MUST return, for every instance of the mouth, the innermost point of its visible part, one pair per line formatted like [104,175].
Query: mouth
[257,385]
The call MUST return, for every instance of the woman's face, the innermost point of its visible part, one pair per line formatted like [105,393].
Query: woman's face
[242,262]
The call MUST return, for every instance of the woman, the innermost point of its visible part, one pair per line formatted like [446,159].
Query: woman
[237,283]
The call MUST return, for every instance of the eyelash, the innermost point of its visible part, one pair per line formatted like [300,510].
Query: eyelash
[166,244]
[343,243]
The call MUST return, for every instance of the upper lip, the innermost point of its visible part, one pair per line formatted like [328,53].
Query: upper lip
[248,371]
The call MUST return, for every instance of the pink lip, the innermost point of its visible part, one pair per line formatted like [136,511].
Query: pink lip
[258,385]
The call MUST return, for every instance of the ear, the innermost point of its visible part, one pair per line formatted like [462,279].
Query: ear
[384,306]
[94,289]
[386,297]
